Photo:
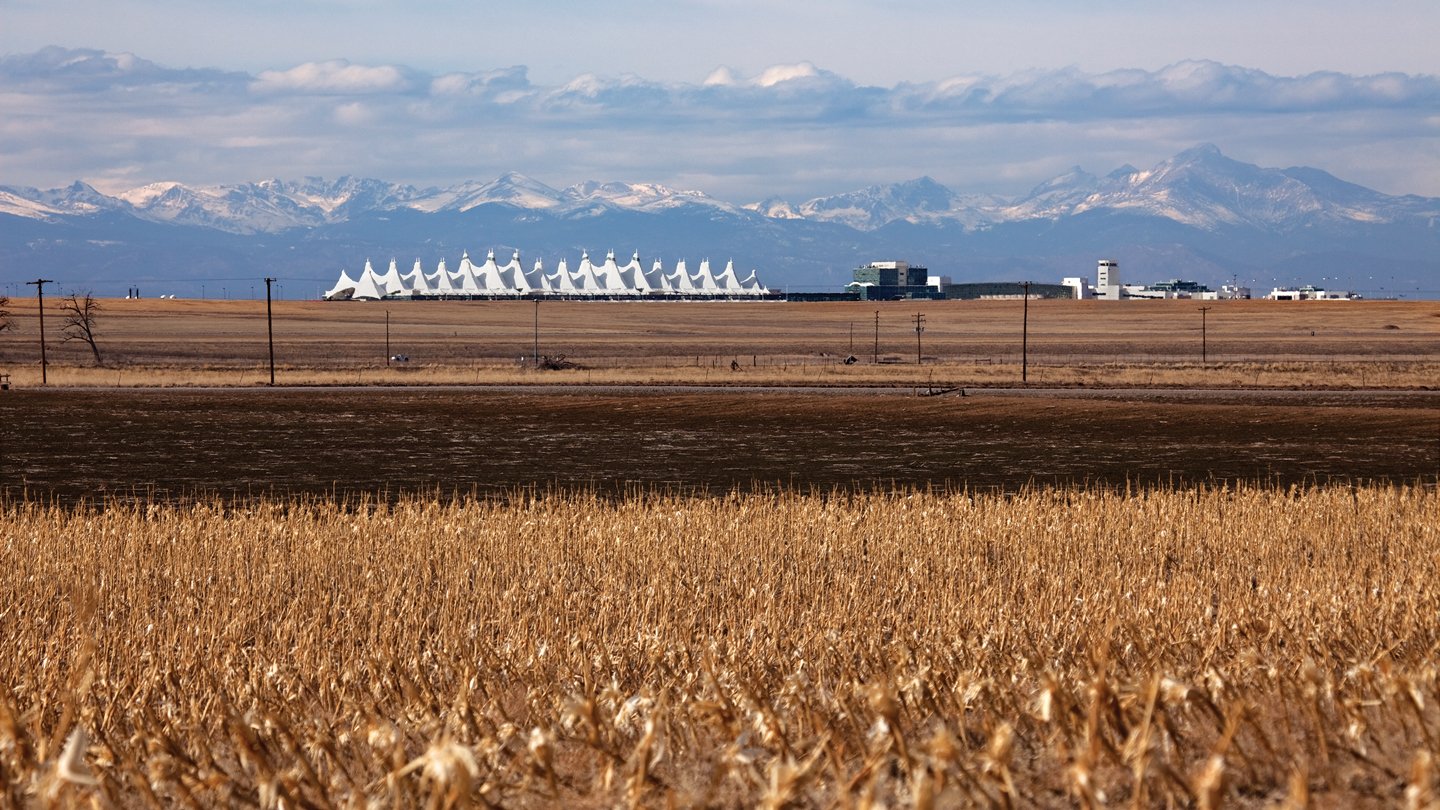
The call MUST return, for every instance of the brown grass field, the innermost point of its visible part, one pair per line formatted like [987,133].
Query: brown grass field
[1093,343]
[796,583]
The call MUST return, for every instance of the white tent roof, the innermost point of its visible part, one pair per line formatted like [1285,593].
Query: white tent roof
[561,281]
[511,279]
[415,280]
[727,280]
[464,277]
[440,281]
[607,276]
[345,284]
[390,281]
[680,279]
[703,280]
[512,276]
[368,287]
[584,278]
[536,278]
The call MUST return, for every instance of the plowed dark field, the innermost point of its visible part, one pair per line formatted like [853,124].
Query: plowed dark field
[168,443]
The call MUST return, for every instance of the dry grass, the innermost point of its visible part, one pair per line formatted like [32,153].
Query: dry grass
[1251,343]
[776,371]
[1249,646]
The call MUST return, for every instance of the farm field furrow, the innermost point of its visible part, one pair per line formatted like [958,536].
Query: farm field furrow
[173,442]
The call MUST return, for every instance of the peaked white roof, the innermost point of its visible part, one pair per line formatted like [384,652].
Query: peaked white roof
[703,280]
[390,281]
[511,279]
[345,284]
[368,287]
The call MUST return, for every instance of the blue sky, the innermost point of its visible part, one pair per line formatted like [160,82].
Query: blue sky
[742,99]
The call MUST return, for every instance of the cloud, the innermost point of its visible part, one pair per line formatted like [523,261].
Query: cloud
[505,86]
[1185,88]
[793,129]
[80,70]
[336,77]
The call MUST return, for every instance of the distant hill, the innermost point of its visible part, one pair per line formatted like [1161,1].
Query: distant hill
[1198,215]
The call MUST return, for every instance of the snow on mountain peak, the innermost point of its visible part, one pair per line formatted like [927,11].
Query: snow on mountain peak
[142,196]
[511,188]
[1199,187]
[639,196]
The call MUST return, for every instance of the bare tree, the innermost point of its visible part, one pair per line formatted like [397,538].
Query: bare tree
[5,322]
[80,317]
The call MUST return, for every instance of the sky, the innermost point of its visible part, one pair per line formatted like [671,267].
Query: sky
[742,99]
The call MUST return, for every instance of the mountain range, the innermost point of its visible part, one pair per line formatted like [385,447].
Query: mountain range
[1198,215]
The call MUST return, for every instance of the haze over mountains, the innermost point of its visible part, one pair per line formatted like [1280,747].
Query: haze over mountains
[1198,215]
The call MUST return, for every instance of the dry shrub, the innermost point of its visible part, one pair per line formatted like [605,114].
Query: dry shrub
[1049,648]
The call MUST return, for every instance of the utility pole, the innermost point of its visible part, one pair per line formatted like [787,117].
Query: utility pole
[535,352]
[1203,352]
[852,339]
[40,298]
[1025,337]
[387,337]
[877,336]
[270,327]
[919,327]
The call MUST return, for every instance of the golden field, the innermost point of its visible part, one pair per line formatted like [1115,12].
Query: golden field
[1245,646]
[722,599]
[1095,343]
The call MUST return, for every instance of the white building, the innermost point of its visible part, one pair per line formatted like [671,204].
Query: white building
[1079,287]
[1107,280]
[510,280]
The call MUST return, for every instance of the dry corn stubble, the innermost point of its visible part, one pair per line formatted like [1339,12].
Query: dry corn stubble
[1051,647]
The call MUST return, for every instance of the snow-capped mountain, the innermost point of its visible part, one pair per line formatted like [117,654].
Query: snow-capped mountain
[915,201]
[1198,214]
[76,199]
[1199,187]
[511,188]
[272,206]
[641,197]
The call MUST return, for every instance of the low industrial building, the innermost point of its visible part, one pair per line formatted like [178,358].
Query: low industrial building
[1108,287]
[891,281]
[1311,293]
[993,290]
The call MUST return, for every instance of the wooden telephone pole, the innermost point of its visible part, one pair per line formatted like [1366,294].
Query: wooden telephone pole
[40,297]
[270,327]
